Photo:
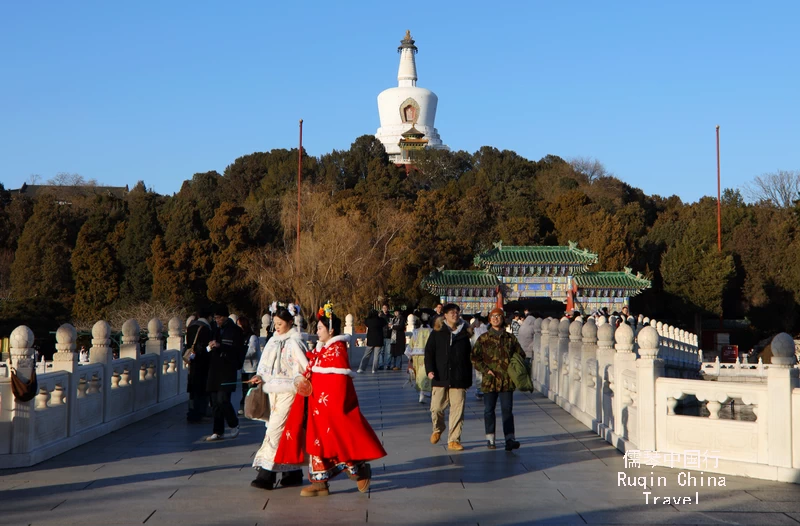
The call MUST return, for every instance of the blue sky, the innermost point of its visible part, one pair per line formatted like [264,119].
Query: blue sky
[157,91]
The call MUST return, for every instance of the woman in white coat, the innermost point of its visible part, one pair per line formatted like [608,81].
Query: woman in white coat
[282,361]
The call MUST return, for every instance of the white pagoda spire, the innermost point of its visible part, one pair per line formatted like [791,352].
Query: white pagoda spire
[407,73]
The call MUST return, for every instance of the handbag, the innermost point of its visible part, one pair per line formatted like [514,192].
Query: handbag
[24,392]
[256,404]
[187,354]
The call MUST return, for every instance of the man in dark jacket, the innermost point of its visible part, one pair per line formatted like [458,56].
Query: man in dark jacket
[447,360]
[226,351]
[375,331]
[198,336]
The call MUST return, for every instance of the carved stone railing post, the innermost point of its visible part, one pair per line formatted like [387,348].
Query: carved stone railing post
[66,359]
[536,354]
[782,378]
[129,348]
[348,324]
[154,344]
[22,360]
[553,350]
[589,402]
[544,360]
[175,338]
[649,368]
[605,369]
[100,352]
[563,363]
[624,360]
[574,357]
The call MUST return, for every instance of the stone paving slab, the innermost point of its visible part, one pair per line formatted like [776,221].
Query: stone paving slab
[160,471]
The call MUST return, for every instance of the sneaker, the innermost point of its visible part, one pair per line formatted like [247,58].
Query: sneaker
[511,444]
[373,371]
[395,368]
[435,437]
[214,437]
[233,433]
[490,445]
[455,446]
[359,371]
[240,412]
[421,398]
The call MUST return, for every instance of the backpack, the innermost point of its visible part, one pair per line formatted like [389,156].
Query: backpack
[520,373]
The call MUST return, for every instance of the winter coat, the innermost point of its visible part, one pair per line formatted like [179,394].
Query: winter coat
[198,367]
[492,352]
[283,359]
[252,356]
[226,359]
[387,331]
[447,356]
[375,331]
[525,335]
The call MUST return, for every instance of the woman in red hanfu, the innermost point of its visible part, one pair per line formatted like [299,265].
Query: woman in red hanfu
[338,437]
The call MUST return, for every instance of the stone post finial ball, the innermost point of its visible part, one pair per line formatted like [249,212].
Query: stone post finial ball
[537,324]
[265,320]
[22,337]
[101,330]
[589,330]
[175,326]
[554,326]
[783,349]
[66,334]
[575,328]
[154,328]
[605,332]
[349,319]
[410,318]
[648,338]
[563,327]
[624,334]
[130,329]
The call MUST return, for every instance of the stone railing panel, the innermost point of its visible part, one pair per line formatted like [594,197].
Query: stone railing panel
[50,416]
[90,386]
[147,386]
[170,374]
[120,396]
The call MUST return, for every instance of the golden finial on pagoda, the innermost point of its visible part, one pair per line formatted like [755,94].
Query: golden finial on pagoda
[408,34]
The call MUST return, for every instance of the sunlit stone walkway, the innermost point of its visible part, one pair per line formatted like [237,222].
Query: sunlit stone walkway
[159,471]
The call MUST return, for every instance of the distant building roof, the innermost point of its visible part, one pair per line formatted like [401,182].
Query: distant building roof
[612,280]
[440,280]
[535,255]
[36,190]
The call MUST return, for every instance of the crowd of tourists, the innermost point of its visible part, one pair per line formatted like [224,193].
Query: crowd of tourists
[313,418]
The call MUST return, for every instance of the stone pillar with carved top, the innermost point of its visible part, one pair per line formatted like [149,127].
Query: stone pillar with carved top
[782,378]
[574,356]
[536,355]
[22,361]
[589,402]
[563,363]
[66,359]
[155,342]
[605,371]
[263,335]
[649,367]
[624,360]
[100,352]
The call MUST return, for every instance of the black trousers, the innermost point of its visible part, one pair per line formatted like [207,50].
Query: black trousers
[223,411]
[506,406]
[198,403]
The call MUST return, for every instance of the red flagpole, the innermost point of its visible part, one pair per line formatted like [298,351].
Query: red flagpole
[719,201]
[299,178]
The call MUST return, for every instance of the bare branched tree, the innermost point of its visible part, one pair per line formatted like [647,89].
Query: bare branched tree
[591,168]
[141,312]
[68,179]
[781,188]
[34,179]
[345,256]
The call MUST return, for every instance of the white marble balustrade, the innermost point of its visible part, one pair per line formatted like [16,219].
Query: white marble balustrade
[77,403]
[626,383]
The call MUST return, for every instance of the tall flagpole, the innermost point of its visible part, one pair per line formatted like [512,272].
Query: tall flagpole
[299,178]
[719,201]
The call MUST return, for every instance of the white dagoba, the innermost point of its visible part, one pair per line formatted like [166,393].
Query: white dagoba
[407,106]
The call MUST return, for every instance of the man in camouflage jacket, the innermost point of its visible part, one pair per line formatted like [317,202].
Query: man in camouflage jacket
[490,356]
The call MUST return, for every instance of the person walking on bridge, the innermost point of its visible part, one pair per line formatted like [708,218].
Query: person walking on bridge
[447,362]
[491,356]
[283,360]
[339,438]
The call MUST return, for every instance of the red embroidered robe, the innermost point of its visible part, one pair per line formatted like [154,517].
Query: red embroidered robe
[336,428]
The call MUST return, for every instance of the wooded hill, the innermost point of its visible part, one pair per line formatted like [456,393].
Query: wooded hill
[369,230]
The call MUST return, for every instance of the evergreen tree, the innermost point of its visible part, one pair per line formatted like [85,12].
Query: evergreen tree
[229,241]
[135,247]
[41,269]
[94,263]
